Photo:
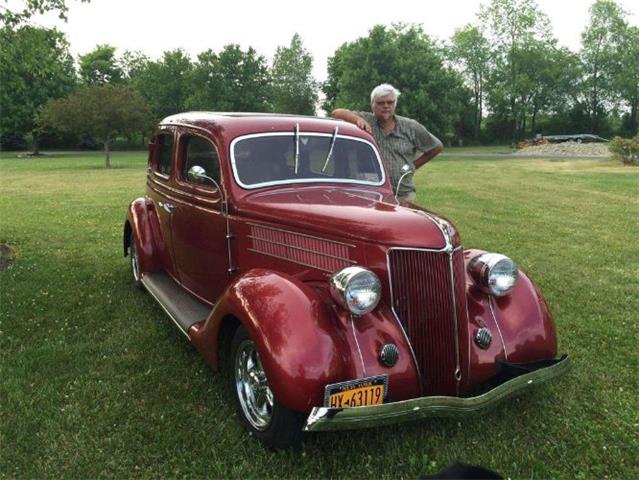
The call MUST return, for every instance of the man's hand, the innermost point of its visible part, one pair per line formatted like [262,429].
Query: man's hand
[349,116]
[363,124]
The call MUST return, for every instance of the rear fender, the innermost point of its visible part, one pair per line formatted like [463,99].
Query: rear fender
[142,221]
[300,340]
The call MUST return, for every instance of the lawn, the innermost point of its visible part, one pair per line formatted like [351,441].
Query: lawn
[95,380]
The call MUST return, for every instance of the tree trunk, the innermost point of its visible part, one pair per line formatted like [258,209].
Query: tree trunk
[107,160]
[36,144]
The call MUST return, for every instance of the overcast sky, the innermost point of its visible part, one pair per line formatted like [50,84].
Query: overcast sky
[154,26]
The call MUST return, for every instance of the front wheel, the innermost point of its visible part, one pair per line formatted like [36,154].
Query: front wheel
[135,261]
[273,424]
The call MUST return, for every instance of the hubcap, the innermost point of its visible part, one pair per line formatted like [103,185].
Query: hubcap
[134,261]
[252,388]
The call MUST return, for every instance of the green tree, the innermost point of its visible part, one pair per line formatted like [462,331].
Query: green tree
[470,51]
[35,66]
[14,16]
[100,66]
[294,89]
[233,80]
[518,30]
[102,111]
[625,78]
[164,84]
[603,60]
[405,57]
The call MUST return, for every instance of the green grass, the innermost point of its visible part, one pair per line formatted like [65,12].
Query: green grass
[95,381]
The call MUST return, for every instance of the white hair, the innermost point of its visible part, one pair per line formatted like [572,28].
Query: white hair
[383,90]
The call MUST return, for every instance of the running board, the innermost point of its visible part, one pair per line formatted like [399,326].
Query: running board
[183,308]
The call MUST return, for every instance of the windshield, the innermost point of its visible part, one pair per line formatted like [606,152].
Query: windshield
[276,158]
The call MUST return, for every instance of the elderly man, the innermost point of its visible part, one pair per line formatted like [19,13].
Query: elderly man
[405,144]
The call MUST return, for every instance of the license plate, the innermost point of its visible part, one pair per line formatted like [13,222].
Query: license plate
[356,393]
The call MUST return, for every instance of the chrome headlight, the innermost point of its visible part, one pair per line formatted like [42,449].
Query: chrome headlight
[356,289]
[494,273]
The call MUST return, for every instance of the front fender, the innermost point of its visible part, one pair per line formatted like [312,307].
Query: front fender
[142,221]
[520,324]
[300,340]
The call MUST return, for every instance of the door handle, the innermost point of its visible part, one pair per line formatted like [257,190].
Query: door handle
[168,207]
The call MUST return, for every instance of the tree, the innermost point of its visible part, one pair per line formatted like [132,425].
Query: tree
[31,7]
[517,29]
[35,66]
[164,84]
[405,57]
[470,50]
[601,56]
[233,80]
[102,111]
[625,79]
[101,66]
[294,89]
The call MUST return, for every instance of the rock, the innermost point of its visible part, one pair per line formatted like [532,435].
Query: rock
[566,149]
[7,257]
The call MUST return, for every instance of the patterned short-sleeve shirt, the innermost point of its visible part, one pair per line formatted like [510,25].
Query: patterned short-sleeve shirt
[406,142]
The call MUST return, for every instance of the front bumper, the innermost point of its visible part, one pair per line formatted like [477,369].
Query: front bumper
[518,378]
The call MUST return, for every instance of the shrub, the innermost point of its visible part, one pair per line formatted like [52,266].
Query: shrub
[625,149]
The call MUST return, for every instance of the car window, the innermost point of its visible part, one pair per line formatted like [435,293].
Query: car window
[267,159]
[165,152]
[199,151]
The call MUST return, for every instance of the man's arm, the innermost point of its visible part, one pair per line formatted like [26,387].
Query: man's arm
[426,156]
[349,116]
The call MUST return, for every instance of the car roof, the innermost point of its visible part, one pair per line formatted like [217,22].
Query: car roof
[233,124]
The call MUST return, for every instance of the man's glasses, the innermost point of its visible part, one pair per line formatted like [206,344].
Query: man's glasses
[382,103]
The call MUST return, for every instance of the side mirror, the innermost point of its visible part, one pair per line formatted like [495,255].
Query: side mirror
[198,174]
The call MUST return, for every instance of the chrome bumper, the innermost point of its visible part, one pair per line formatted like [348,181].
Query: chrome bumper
[322,418]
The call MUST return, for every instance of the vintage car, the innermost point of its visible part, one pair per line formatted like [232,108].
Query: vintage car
[276,245]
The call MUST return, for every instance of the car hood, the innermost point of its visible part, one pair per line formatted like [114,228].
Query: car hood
[348,213]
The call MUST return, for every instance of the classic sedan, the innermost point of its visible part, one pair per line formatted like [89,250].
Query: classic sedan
[276,245]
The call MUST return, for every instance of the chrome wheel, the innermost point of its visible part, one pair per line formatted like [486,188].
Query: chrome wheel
[252,387]
[133,254]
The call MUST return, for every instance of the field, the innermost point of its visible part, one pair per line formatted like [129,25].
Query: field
[95,380]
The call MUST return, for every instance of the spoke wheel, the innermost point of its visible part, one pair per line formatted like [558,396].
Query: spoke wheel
[252,387]
[135,261]
[273,424]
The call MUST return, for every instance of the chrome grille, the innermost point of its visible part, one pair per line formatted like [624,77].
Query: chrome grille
[431,312]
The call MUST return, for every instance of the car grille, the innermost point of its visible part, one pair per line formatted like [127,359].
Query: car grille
[432,312]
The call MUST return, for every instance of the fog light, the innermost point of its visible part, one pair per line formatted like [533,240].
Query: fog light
[389,355]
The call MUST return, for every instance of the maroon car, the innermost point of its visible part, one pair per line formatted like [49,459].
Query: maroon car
[276,245]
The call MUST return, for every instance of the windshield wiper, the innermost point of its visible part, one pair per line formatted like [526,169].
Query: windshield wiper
[333,142]
[297,155]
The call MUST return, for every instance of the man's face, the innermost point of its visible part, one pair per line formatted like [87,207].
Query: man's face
[384,107]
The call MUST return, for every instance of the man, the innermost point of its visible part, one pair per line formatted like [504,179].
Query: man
[405,144]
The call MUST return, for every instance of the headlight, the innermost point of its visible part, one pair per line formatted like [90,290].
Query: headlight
[356,289]
[494,273]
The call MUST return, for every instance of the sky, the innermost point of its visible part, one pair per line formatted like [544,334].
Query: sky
[153,26]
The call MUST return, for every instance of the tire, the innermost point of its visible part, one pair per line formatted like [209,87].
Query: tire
[134,262]
[274,425]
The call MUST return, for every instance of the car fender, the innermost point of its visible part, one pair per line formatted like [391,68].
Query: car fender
[301,343]
[142,220]
[520,323]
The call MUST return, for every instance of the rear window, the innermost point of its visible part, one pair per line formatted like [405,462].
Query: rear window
[268,159]
[165,153]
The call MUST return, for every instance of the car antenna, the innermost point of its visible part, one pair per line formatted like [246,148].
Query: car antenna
[333,142]
[297,155]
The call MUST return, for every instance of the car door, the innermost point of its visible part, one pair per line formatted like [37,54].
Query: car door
[198,223]
[159,189]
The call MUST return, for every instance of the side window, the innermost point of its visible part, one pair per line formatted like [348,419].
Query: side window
[164,153]
[198,151]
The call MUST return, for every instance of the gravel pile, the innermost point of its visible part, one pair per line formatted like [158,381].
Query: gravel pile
[566,149]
